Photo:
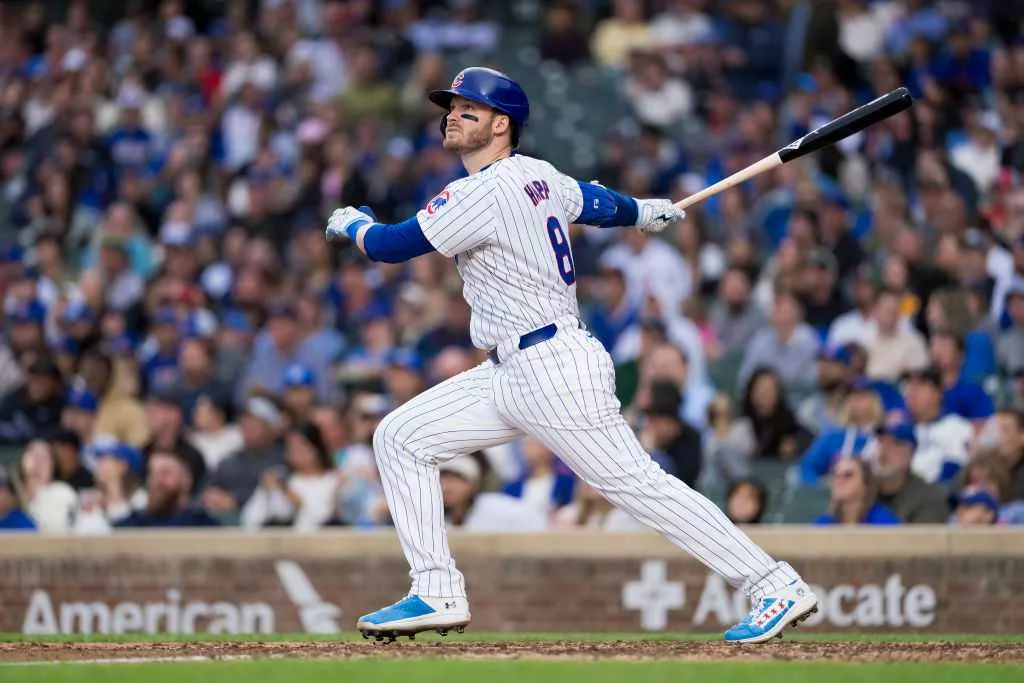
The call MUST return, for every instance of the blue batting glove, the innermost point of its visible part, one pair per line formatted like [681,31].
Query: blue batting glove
[369,212]
[346,222]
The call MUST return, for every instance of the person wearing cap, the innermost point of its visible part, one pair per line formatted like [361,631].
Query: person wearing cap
[943,438]
[960,396]
[169,487]
[119,470]
[34,408]
[158,356]
[299,390]
[79,413]
[233,341]
[403,376]
[914,500]
[822,298]
[466,508]
[26,326]
[165,420]
[892,348]
[238,475]
[789,346]
[976,505]
[861,413]
[279,346]
[12,517]
[822,410]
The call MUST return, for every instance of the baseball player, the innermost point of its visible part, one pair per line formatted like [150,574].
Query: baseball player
[507,227]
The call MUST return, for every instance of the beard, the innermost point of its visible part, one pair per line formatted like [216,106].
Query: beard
[468,141]
[162,503]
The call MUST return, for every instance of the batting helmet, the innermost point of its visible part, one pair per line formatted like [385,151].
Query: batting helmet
[491,88]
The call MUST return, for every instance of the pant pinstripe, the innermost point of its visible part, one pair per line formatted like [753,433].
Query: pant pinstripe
[563,392]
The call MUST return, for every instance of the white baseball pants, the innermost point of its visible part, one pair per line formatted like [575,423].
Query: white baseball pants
[561,391]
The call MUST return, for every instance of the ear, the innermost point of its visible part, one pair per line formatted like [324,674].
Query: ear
[501,124]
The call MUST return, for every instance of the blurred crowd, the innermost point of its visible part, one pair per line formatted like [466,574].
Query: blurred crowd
[182,348]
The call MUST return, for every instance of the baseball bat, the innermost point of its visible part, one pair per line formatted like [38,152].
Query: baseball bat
[835,130]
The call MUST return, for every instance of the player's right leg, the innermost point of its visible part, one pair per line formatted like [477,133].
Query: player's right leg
[450,419]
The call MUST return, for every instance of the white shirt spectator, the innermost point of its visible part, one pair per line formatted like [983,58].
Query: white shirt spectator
[215,446]
[853,327]
[241,128]
[661,107]
[53,507]
[658,270]
[614,520]
[862,34]
[318,495]
[679,29]
[496,512]
[328,66]
[940,444]
[262,72]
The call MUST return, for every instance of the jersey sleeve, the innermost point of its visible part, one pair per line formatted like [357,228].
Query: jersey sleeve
[459,218]
[570,195]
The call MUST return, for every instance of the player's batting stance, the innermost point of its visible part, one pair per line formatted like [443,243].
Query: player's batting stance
[506,225]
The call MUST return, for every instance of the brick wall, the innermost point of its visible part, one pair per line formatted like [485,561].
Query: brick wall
[510,591]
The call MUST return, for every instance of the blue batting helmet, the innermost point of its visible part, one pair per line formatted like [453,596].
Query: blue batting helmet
[491,88]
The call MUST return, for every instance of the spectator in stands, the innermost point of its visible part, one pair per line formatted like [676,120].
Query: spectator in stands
[777,432]
[30,411]
[960,396]
[49,502]
[746,501]
[822,410]
[728,447]
[823,301]
[1010,345]
[166,422]
[544,485]
[892,348]
[79,414]
[169,493]
[950,310]
[976,505]
[198,374]
[912,499]
[299,391]
[563,39]
[119,414]
[238,475]
[861,415]
[1003,434]
[854,496]
[733,315]
[613,312]
[465,507]
[119,470]
[301,496]
[615,37]
[853,326]
[657,97]
[988,470]
[403,376]
[591,510]
[789,347]
[67,451]
[672,443]
[942,439]
[12,517]
[666,363]
[652,268]
[214,433]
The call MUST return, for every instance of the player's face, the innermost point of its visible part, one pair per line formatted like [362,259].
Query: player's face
[469,127]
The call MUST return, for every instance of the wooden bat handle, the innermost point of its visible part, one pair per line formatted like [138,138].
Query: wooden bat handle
[756,168]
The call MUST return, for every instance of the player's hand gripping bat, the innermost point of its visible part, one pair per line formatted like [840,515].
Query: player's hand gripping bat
[887,105]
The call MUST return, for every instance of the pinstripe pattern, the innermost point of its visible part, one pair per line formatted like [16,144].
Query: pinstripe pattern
[561,391]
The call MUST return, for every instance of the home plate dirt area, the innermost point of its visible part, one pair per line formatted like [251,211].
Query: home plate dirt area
[612,650]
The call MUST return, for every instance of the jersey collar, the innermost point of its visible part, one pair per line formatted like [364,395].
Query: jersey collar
[484,168]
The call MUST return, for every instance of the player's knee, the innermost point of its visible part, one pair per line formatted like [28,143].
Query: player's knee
[385,436]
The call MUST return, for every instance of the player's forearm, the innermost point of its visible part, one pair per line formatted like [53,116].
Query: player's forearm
[393,243]
[606,208]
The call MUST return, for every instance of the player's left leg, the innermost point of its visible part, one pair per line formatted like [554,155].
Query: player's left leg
[562,392]
[452,418]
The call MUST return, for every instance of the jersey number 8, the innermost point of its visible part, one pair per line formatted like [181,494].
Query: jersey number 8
[563,252]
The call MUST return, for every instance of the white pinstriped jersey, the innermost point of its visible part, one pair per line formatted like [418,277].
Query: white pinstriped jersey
[508,228]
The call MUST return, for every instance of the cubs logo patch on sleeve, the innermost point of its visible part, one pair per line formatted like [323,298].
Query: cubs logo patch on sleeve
[437,202]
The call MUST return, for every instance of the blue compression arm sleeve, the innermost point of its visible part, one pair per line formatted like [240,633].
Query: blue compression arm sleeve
[606,208]
[396,243]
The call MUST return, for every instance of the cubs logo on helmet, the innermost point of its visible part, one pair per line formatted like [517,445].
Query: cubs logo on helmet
[437,202]
[459,78]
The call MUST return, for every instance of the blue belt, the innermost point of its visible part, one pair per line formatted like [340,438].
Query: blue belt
[541,334]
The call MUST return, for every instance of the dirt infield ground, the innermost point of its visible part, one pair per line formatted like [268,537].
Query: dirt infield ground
[693,651]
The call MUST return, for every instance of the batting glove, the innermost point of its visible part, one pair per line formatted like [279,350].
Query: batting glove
[654,215]
[345,223]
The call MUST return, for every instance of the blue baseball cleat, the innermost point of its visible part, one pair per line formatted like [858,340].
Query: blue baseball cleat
[414,614]
[773,613]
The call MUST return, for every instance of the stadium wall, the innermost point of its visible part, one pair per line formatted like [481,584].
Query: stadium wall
[934,579]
